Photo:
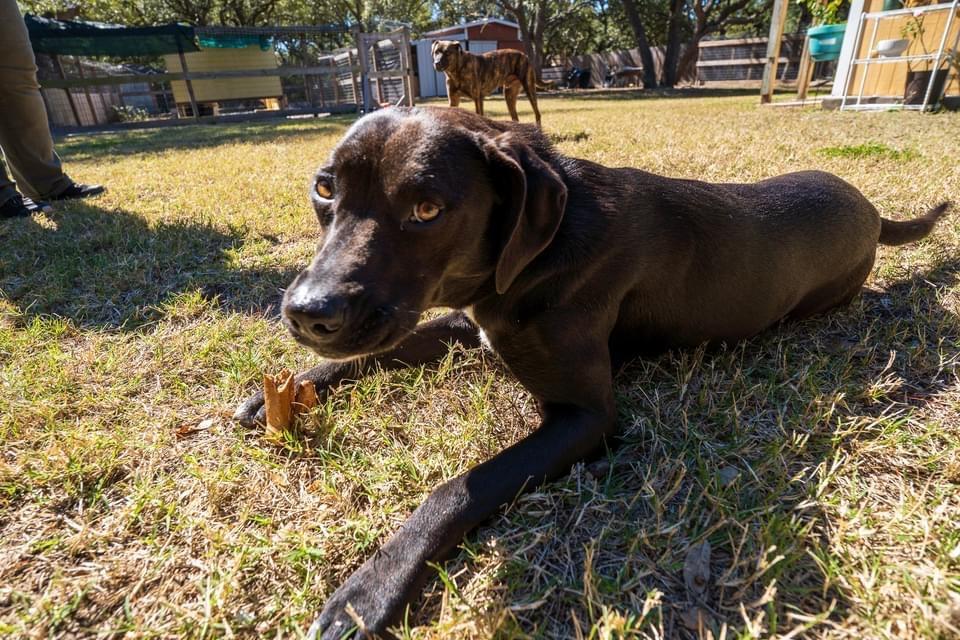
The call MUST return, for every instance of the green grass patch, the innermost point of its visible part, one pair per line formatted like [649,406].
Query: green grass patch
[869,150]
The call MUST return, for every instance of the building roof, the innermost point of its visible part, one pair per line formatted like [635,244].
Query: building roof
[474,23]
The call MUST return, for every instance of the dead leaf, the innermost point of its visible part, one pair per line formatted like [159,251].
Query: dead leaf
[696,569]
[186,430]
[728,475]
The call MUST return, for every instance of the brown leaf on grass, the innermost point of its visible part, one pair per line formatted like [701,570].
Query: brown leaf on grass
[186,430]
[278,395]
[696,569]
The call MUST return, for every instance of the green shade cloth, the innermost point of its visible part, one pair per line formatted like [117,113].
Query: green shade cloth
[80,38]
[234,42]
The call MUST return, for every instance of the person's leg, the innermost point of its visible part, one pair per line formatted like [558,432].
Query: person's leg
[14,205]
[7,188]
[24,130]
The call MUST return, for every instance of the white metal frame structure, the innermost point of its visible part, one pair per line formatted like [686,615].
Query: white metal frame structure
[938,58]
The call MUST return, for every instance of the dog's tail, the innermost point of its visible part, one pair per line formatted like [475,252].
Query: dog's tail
[545,85]
[894,232]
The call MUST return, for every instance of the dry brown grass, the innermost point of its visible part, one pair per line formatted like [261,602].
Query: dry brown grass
[820,460]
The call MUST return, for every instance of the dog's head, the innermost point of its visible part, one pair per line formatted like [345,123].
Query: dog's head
[446,54]
[419,208]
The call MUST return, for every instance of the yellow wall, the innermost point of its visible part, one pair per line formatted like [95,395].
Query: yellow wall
[890,79]
[251,57]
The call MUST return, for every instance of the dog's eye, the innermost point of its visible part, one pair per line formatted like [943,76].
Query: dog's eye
[425,211]
[324,188]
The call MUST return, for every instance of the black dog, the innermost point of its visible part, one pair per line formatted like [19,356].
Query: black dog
[569,269]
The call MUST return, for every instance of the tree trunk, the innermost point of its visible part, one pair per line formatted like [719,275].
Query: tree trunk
[646,56]
[670,59]
[687,68]
[532,35]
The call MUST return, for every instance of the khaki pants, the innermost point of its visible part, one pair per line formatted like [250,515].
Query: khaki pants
[24,130]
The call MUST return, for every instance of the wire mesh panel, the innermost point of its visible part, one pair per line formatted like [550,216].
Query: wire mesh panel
[388,70]
[234,72]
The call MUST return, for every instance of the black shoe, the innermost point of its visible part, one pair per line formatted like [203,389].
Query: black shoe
[20,207]
[77,190]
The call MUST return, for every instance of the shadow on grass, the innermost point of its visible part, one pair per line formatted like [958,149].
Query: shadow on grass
[640,94]
[110,269]
[135,141]
[736,446]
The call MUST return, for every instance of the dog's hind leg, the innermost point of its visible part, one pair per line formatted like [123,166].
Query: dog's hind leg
[429,343]
[510,93]
[838,293]
[530,87]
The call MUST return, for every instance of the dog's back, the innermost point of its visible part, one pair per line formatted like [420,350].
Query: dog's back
[508,62]
[499,68]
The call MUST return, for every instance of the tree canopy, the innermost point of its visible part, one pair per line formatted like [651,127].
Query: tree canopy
[550,28]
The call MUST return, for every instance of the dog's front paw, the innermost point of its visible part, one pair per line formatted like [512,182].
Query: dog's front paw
[363,607]
[251,411]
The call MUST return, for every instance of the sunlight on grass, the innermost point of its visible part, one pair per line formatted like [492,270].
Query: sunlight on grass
[821,460]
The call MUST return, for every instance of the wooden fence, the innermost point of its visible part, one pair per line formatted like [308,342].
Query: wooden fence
[720,60]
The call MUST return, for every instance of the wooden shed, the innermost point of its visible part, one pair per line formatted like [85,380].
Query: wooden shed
[214,91]
[884,80]
[478,36]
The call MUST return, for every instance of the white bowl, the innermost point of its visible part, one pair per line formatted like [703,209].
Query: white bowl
[892,48]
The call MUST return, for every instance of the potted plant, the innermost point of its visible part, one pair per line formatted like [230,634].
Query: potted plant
[918,81]
[827,37]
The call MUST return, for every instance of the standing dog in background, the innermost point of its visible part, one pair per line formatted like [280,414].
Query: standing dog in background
[477,76]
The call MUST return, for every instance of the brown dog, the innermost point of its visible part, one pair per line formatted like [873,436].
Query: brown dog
[477,76]
[568,267]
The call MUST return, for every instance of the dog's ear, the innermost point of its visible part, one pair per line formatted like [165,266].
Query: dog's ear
[533,198]
[434,47]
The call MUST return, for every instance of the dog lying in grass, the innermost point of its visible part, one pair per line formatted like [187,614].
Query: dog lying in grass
[568,269]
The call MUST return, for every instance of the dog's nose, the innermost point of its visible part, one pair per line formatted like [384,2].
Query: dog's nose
[319,318]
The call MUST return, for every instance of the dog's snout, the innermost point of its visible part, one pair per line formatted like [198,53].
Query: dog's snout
[317,318]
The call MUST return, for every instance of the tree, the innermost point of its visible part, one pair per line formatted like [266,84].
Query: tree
[716,16]
[534,18]
[646,56]
[671,56]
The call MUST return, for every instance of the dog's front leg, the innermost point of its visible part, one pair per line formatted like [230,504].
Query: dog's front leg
[429,343]
[377,593]
[478,92]
[453,94]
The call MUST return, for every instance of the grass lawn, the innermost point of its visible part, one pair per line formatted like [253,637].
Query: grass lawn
[820,460]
